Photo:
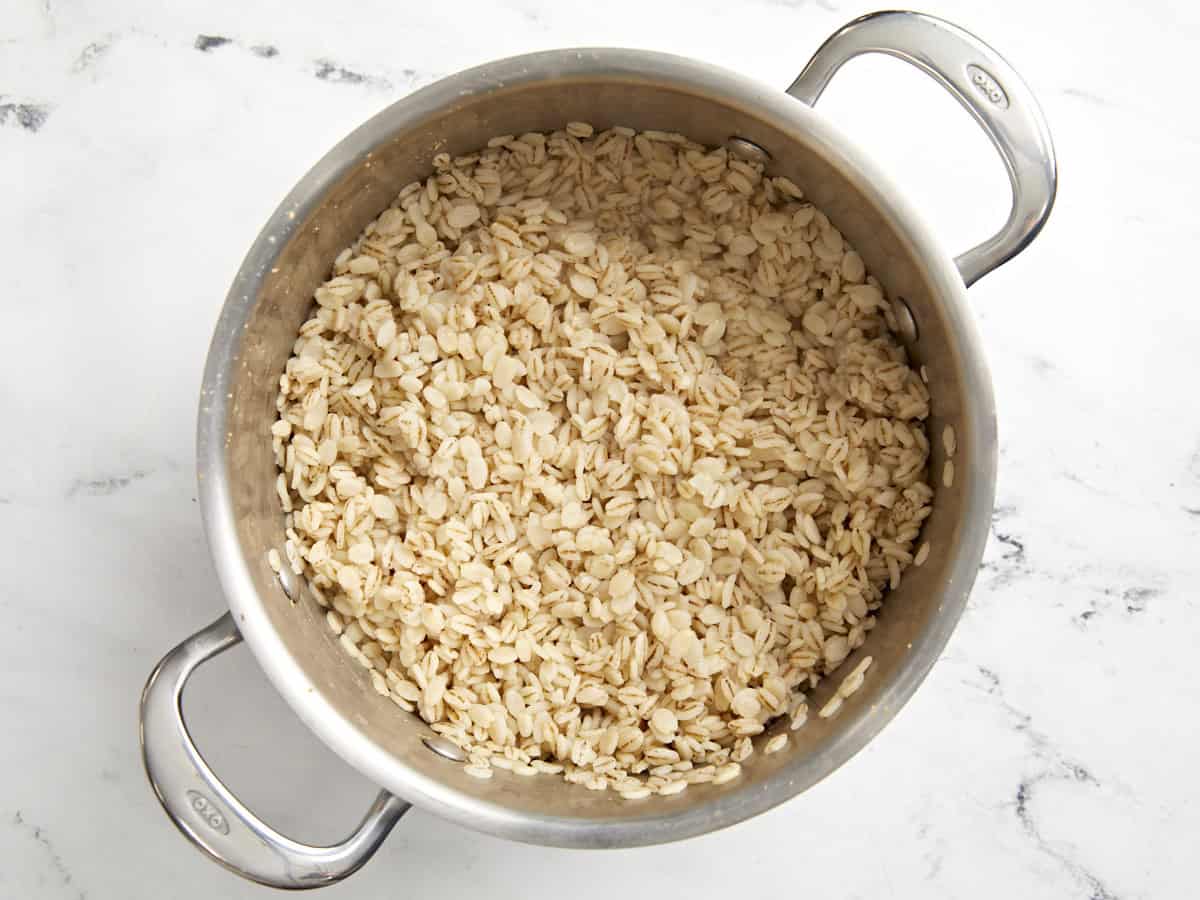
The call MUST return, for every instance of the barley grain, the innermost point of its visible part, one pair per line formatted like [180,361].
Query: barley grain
[569,479]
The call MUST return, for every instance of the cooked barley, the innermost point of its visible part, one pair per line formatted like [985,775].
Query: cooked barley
[831,708]
[798,715]
[727,773]
[949,440]
[775,744]
[600,453]
[852,682]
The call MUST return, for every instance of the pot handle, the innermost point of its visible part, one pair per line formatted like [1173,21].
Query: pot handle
[991,91]
[212,817]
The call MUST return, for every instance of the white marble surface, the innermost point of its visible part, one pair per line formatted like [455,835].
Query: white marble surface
[1052,751]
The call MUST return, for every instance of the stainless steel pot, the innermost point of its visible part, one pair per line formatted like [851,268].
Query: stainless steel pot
[271,296]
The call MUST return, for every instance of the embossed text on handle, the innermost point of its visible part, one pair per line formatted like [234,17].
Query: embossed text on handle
[984,82]
[207,810]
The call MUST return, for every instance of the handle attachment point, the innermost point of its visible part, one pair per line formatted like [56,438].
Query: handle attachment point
[209,814]
[987,87]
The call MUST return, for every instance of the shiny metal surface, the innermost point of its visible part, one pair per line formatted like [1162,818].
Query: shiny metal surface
[444,747]
[204,809]
[906,325]
[986,86]
[272,294]
[747,151]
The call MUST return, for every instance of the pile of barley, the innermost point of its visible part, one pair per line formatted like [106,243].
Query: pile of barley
[601,452]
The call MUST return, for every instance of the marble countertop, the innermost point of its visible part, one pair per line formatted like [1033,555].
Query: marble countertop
[1051,753]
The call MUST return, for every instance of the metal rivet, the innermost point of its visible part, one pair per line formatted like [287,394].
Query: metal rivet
[747,151]
[906,325]
[443,747]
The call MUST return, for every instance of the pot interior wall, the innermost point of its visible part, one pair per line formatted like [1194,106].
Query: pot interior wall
[357,191]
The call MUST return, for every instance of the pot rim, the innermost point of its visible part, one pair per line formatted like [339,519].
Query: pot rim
[285,671]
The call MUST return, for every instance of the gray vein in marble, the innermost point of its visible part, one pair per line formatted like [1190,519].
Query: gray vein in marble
[29,116]
[1054,767]
[1042,366]
[1088,486]
[106,486]
[1016,551]
[323,68]
[1088,97]
[1171,124]
[1194,464]
[1136,598]
[38,835]
[1113,592]
[936,857]
[1011,564]
[91,54]
[206,43]
[1133,600]
[328,70]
